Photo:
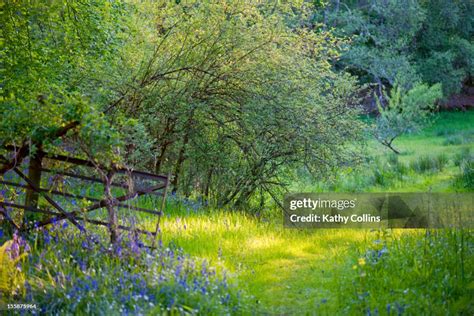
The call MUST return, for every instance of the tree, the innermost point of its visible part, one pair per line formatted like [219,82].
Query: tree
[405,112]
[58,62]
[58,59]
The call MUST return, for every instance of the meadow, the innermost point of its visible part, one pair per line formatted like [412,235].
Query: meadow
[293,271]
[217,262]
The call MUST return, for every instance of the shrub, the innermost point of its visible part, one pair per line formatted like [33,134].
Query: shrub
[405,112]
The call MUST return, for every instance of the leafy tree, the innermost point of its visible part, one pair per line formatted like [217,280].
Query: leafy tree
[53,57]
[59,65]
[405,112]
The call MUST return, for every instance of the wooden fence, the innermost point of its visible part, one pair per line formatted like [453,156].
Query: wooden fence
[114,182]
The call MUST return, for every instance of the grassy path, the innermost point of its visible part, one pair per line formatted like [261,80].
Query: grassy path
[299,272]
[288,271]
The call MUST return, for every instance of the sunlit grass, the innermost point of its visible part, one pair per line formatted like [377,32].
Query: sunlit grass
[296,271]
[287,270]
[292,271]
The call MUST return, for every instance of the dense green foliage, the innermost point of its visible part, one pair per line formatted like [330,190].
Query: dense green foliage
[227,97]
[405,41]
[58,61]
[230,96]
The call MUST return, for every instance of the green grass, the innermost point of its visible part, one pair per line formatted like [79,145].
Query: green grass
[286,270]
[299,272]
[426,163]
[289,271]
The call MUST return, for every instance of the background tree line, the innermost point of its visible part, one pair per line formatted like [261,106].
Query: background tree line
[404,41]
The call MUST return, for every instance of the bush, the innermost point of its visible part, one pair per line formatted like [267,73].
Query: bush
[405,112]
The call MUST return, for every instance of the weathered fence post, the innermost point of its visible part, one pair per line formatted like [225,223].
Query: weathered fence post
[162,211]
[110,205]
[34,174]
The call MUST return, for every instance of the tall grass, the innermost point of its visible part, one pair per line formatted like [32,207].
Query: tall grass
[419,273]
[427,163]
[466,178]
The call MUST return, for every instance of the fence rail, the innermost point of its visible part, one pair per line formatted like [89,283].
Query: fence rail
[138,183]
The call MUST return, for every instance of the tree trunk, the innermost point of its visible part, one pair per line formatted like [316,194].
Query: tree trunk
[161,158]
[179,162]
[182,152]
[208,184]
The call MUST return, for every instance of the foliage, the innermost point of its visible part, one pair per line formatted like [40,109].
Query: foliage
[58,59]
[226,96]
[231,98]
[405,41]
[405,112]
[12,278]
